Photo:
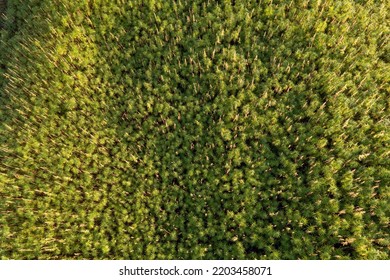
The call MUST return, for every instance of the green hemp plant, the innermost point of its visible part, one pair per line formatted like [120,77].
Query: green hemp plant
[194,129]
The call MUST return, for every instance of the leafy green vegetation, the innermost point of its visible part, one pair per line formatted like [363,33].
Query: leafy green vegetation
[195,129]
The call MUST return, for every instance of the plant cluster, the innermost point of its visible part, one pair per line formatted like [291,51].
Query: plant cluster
[152,129]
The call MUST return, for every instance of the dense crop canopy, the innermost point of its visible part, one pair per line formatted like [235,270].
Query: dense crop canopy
[195,129]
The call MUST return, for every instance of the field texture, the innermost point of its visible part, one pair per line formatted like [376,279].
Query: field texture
[195,129]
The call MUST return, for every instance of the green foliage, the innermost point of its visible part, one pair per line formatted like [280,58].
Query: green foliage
[194,130]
